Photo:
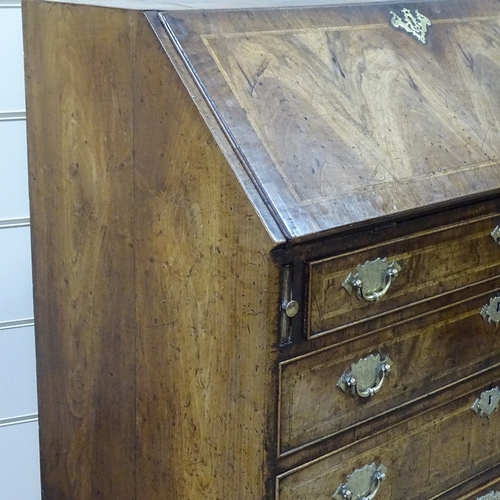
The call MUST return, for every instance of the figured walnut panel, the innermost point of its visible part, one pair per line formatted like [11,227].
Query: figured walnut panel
[342,118]
[432,262]
[425,456]
[428,353]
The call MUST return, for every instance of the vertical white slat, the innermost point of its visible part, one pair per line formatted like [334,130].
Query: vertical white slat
[17,373]
[13,170]
[19,450]
[19,464]
[16,290]
[11,60]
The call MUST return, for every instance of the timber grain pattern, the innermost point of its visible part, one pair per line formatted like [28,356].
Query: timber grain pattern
[207,291]
[153,280]
[81,190]
[434,262]
[177,162]
[342,118]
[425,455]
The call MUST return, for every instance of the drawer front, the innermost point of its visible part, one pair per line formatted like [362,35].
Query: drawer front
[427,353]
[424,456]
[432,263]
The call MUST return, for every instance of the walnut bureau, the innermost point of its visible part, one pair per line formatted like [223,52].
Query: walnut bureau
[266,250]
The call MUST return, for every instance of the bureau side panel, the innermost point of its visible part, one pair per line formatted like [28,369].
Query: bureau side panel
[78,87]
[206,303]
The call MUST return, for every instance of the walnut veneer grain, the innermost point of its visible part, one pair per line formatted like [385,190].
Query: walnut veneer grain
[192,174]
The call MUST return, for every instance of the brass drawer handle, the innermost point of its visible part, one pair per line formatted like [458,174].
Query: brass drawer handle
[492,495]
[487,402]
[362,484]
[372,280]
[366,376]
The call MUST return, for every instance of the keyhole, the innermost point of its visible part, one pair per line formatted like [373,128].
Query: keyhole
[490,400]
[498,306]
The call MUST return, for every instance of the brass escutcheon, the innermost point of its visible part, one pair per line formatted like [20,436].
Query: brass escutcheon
[487,402]
[414,23]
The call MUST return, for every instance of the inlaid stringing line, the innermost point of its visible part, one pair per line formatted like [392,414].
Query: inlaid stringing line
[329,29]
[312,201]
[254,124]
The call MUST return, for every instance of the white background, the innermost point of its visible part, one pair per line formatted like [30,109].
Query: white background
[19,462]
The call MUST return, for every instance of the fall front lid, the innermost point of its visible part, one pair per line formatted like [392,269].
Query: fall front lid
[347,114]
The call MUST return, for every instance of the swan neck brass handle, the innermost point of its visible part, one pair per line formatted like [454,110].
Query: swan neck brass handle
[372,280]
[366,376]
[362,484]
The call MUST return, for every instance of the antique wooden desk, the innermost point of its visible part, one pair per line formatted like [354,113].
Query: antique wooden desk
[266,261]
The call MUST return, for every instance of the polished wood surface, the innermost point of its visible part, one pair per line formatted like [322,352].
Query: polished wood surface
[81,190]
[192,226]
[340,118]
[424,456]
[432,263]
[206,291]
[492,487]
[429,353]
[154,286]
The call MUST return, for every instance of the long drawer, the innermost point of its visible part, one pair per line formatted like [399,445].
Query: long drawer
[432,262]
[421,457]
[426,355]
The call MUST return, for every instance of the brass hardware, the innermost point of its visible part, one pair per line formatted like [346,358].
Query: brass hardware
[491,311]
[495,234]
[372,280]
[366,376]
[492,495]
[291,308]
[487,402]
[414,23]
[362,484]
